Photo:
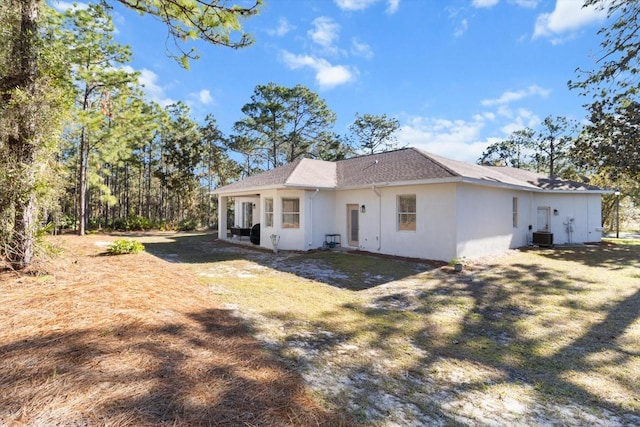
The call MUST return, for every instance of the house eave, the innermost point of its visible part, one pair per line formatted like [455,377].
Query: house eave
[473,181]
[532,188]
[244,192]
[400,183]
[308,187]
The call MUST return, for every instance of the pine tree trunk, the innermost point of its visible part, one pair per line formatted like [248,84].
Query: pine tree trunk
[22,145]
[82,203]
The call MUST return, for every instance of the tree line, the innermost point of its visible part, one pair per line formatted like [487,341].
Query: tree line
[81,146]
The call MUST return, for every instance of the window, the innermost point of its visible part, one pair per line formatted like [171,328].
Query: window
[407,213]
[268,212]
[515,212]
[291,213]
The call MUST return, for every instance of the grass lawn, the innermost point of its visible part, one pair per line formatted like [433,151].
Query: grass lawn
[538,336]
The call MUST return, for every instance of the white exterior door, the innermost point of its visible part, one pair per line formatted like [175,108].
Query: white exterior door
[353,227]
[544,218]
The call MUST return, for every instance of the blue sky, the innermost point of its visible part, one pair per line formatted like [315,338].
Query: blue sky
[458,75]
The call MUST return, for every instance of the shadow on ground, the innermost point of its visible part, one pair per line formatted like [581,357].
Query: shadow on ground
[352,270]
[558,333]
[206,370]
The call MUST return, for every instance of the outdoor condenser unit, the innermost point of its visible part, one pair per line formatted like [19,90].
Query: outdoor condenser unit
[543,238]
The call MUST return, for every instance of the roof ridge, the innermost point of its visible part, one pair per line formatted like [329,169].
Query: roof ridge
[371,154]
[433,158]
[292,168]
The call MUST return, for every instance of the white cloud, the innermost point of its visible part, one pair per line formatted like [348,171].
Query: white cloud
[529,4]
[455,139]
[361,49]
[392,5]
[149,80]
[484,3]
[327,75]
[325,33]
[511,96]
[462,28]
[63,6]
[523,118]
[568,16]
[205,97]
[283,28]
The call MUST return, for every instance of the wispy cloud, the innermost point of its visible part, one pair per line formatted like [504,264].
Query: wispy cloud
[327,75]
[484,3]
[361,49]
[283,28]
[63,6]
[455,139]
[511,96]
[325,32]
[392,5]
[567,17]
[149,80]
[521,119]
[204,96]
[529,4]
[462,28]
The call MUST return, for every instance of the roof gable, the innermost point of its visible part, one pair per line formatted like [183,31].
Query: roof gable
[313,173]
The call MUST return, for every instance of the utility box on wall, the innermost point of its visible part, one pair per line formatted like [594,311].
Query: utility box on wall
[543,238]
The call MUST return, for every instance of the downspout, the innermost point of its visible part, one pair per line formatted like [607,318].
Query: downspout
[530,231]
[313,196]
[373,187]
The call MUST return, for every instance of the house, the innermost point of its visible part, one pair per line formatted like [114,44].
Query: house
[413,204]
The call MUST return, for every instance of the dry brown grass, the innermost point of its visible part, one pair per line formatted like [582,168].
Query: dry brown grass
[134,340]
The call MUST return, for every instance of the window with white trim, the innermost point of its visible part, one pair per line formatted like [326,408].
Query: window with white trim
[515,212]
[407,212]
[291,213]
[268,212]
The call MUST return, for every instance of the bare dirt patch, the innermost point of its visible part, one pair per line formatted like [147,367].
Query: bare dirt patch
[134,340]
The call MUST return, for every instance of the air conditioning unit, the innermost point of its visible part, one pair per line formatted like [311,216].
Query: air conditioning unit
[543,238]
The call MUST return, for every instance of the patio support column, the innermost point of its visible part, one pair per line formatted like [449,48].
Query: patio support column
[222,217]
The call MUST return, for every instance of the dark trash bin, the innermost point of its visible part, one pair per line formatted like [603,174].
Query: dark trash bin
[254,237]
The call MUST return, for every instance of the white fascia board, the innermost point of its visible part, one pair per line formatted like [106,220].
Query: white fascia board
[307,187]
[401,183]
[247,192]
[531,188]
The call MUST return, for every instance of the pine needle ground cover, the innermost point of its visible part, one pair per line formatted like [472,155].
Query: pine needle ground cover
[199,332]
[133,340]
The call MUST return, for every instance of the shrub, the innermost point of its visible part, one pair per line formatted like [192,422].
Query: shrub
[138,223]
[188,224]
[125,246]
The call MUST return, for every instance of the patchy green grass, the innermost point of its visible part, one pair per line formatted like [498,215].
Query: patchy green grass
[535,336]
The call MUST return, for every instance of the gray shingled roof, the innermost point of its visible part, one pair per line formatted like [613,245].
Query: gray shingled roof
[393,166]
[405,165]
[301,172]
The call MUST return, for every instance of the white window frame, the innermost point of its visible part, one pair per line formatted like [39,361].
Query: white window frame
[268,213]
[404,216]
[291,217]
[515,206]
